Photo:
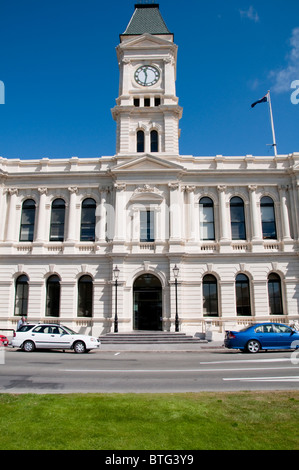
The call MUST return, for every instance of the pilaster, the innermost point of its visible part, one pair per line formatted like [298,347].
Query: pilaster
[11,219]
[224,220]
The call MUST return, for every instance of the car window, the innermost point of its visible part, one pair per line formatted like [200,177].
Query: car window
[55,330]
[264,329]
[25,328]
[68,331]
[282,329]
[61,331]
[39,329]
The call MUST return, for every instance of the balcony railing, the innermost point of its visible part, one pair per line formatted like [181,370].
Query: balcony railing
[158,246]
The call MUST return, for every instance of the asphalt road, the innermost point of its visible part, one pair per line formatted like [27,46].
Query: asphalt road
[147,372]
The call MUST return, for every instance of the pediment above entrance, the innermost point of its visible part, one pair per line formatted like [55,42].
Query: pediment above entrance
[145,40]
[147,163]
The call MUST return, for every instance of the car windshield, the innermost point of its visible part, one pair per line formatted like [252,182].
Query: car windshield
[25,328]
[69,331]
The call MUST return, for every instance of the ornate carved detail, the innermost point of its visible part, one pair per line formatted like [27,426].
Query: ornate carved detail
[120,186]
[148,189]
[174,186]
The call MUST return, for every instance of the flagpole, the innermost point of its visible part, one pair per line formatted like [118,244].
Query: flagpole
[272,124]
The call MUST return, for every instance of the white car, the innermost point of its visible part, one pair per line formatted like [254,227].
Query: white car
[52,336]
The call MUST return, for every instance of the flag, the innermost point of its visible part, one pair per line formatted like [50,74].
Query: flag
[262,100]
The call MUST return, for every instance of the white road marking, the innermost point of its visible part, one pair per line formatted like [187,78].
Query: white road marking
[177,370]
[237,361]
[264,379]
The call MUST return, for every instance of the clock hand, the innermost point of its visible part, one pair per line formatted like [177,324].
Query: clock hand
[145,75]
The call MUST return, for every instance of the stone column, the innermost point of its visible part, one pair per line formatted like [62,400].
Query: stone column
[164,230]
[71,232]
[254,215]
[120,212]
[175,212]
[11,219]
[285,223]
[3,211]
[223,215]
[136,224]
[41,219]
[103,215]
[190,223]
[158,224]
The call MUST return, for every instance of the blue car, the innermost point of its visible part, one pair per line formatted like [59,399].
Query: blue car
[262,336]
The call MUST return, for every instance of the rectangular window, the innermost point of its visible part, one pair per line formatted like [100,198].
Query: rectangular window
[27,221]
[157,101]
[207,231]
[27,231]
[21,300]
[57,221]
[210,296]
[147,102]
[136,102]
[140,141]
[147,226]
[268,223]
[243,295]
[88,220]
[237,219]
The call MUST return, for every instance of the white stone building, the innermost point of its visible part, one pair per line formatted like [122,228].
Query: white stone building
[229,224]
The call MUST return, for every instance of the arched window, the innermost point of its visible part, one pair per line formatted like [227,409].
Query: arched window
[237,216]
[140,141]
[268,218]
[154,141]
[206,214]
[21,298]
[210,296]
[88,220]
[53,297]
[27,221]
[57,221]
[242,295]
[274,293]
[85,296]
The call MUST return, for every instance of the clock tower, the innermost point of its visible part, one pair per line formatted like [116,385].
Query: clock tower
[147,111]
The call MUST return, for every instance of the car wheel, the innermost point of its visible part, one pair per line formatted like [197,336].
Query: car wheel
[253,346]
[28,346]
[79,347]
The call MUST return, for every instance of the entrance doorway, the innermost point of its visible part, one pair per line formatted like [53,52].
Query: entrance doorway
[147,296]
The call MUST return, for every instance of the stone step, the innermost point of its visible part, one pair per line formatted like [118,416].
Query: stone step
[147,338]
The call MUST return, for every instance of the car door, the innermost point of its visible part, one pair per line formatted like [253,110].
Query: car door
[41,337]
[59,338]
[284,335]
[267,336]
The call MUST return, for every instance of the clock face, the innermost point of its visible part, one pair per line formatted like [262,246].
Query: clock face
[147,75]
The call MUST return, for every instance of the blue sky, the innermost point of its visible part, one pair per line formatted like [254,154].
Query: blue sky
[59,68]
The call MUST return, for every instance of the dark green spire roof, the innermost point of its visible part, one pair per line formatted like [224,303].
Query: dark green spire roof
[146,19]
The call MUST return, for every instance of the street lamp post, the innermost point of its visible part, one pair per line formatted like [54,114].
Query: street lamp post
[176,273]
[116,276]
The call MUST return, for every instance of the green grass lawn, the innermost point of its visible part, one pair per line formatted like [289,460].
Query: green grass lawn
[190,421]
